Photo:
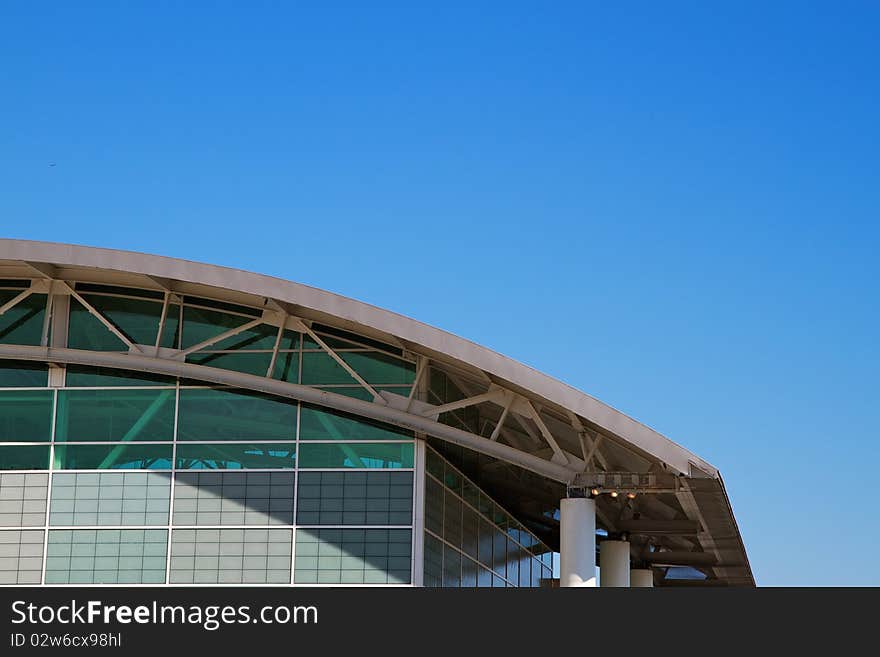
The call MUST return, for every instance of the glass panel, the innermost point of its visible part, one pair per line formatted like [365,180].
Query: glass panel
[23,374]
[374,367]
[235,456]
[233,498]
[468,573]
[353,556]
[112,457]
[214,414]
[171,331]
[319,367]
[110,498]
[24,457]
[433,562]
[452,509]
[287,367]
[356,455]
[115,415]
[136,319]
[359,392]
[433,506]
[246,362]
[85,331]
[106,556]
[354,498]
[80,376]
[25,415]
[117,290]
[200,324]
[451,568]
[21,556]
[23,323]
[379,368]
[323,424]
[22,501]
[230,556]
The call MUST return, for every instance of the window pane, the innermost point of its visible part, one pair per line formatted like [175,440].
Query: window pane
[287,367]
[106,556]
[110,498]
[230,556]
[23,323]
[379,368]
[356,455]
[23,374]
[115,415]
[323,424]
[200,324]
[354,498]
[21,559]
[80,376]
[319,367]
[85,331]
[235,456]
[433,561]
[233,498]
[353,556]
[136,319]
[25,415]
[212,414]
[246,362]
[113,457]
[24,457]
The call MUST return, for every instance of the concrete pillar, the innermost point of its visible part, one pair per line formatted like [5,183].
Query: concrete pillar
[641,578]
[614,563]
[577,542]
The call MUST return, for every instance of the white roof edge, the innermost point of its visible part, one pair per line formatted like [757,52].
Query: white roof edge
[408,329]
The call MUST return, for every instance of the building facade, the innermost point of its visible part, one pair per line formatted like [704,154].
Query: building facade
[164,422]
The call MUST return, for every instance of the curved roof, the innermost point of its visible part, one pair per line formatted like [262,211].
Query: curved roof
[561,413]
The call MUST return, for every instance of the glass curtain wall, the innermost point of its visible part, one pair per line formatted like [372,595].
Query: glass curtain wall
[125,477]
[471,541]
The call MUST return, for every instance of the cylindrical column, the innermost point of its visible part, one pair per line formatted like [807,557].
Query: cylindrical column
[641,578]
[614,563]
[577,542]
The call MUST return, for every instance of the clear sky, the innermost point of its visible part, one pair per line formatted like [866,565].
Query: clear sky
[671,206]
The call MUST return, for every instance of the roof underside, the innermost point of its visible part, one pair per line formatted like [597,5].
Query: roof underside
[528,435]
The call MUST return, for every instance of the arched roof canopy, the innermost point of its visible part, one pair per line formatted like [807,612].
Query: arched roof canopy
[463,393]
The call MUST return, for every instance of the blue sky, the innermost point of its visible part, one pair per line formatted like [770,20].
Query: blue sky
[671,206]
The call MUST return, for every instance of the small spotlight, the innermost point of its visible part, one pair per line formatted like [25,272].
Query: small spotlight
[594,492]
[630,496]
[613,493]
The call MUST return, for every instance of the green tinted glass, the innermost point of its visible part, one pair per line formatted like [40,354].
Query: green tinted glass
[356,455]
[24,457]
[115,415]
[246,362]
[323,424]
[85,331]
[378,368]
[79,376]
[25,415]
[113,457]
[235,456]
[320,368]
[359,392]
[136,319]
[287,367]
[212,414]
[23,374]
[171,330]
[23,323]
[200,324]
